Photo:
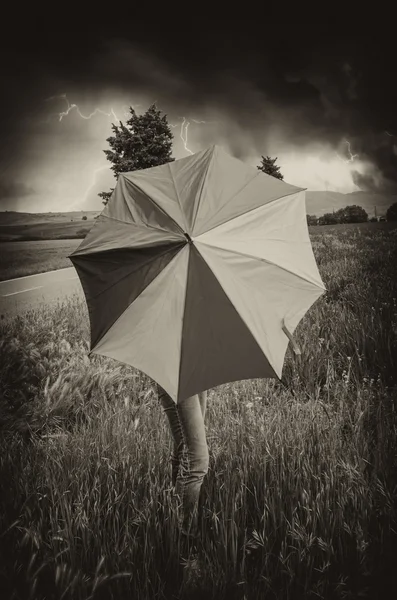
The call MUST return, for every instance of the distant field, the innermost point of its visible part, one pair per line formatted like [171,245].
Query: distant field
[28,258]
[15,226]
[44,226]
[382,225]
[19,258]
[10,217]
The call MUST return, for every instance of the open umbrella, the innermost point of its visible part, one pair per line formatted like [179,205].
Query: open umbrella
[198,271]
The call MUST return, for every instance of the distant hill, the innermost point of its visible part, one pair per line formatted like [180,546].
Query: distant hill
[13,217]
[319,203]
[19,226]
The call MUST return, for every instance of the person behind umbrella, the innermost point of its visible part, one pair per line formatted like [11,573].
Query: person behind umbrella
[189,460]
[211,245]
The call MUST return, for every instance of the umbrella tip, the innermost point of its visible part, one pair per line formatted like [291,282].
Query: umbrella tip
[189,239]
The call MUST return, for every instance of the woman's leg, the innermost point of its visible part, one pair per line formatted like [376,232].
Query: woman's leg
[203,403]
[169,407]
[194,458]
[190,458]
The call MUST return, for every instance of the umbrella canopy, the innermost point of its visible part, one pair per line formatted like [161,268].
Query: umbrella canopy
[196,271]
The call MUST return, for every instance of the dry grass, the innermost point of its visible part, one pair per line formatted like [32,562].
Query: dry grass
[300,499]
[18,259]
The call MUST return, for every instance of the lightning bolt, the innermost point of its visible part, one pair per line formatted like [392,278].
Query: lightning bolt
[183,134]
[351,156]
[70,107]
[90,185]
[94,177]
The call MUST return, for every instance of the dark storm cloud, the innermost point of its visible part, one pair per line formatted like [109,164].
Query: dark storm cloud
[380,149]
[356,98]
[366,181]
[324,88]
[313,83]
[249,99]
[15,190]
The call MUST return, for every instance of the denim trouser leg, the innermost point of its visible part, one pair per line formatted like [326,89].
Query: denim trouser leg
[190,456]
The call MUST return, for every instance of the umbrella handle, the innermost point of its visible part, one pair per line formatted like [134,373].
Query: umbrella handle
[294,345]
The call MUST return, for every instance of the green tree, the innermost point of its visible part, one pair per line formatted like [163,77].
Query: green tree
[328,219]
[143,141]
[311,219]
[269,167]
[351,214]
[391,213]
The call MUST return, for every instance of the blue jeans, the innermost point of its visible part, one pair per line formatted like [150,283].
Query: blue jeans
[189,460]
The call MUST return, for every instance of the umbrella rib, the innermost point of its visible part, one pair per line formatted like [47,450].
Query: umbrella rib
[152,259]
[133,223]
[201,191]
[251,209]
[258,258]
[230,199]
[240,315]
[139,224]
[119,317]
[183,319]
[177,197]
[155,204]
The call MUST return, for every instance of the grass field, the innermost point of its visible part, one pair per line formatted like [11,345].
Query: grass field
[44,231]
[301,497]
[33,243]
[18,259]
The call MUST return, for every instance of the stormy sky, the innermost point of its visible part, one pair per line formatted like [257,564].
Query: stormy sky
[320,97]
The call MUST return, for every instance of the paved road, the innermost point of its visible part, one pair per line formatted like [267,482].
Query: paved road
[25,293]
